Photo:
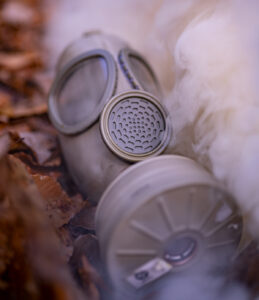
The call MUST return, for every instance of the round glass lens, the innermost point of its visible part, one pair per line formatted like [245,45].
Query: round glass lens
[82,91]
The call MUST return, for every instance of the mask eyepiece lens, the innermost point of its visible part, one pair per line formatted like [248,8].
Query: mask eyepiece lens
[82,90]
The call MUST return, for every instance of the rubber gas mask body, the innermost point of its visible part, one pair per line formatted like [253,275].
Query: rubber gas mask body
[104,104]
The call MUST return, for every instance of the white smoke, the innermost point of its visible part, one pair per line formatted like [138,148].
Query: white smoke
[201,288]
[214,102]
[205,280]
[205,52]
[69,19]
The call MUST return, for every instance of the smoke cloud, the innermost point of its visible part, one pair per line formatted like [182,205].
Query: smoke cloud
[205,53]
[214,101]
[202,288]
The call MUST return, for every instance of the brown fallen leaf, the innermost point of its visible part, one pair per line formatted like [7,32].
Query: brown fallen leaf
[40,148]
[14,12]
[22,91]
[17,104]
[32,149]
[245,268]
[32,257]
[22,112]
[5,99]
[32,260]
[4,144]
[87,245]
[89,277]
[40,142]
[18,61]
[59,207]
[87,266]
[83,222]
[37,124]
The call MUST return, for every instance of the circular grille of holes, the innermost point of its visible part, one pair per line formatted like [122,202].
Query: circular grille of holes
[136,125]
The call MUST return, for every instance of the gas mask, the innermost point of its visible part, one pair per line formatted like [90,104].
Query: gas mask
[159,217]
[167,216]
[104,103]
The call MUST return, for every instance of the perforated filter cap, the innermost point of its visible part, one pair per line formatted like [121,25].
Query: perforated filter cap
[134,126]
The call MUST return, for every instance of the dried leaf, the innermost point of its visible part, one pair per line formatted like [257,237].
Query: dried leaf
[32,265]
[59,206]
[87,245]
[41,144]
[18,61]
[22,112]
[88,274]
[4,144]
[83,222]
[18,13]
[35,148]
[245,268]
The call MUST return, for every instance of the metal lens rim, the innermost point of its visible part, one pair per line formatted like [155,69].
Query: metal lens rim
[125,64]
[64,75]
[104,126]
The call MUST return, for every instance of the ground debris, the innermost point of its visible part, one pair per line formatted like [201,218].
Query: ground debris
[22,94]
[37,197]
[33,261]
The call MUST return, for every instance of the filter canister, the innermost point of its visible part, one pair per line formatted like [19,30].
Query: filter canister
[162,216]
[135,125]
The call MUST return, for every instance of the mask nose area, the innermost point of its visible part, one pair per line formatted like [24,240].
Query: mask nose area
[135,126]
